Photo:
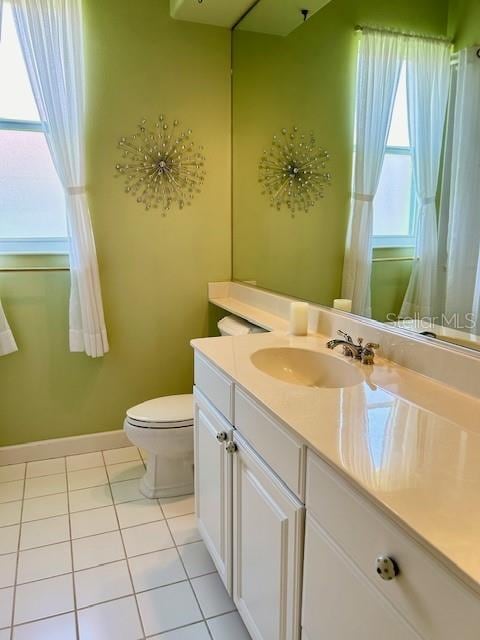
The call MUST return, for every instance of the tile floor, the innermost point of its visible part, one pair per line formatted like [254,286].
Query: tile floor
[84,556]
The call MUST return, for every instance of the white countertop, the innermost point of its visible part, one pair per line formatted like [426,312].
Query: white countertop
[409,442]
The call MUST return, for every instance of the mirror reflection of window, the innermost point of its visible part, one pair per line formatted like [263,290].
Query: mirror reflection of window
[394,204]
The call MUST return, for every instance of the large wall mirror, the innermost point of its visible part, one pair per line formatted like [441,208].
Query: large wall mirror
[409,220]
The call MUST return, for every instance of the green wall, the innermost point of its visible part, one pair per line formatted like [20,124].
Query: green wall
[154,270]
[307,80]
[390,278]
[464,22]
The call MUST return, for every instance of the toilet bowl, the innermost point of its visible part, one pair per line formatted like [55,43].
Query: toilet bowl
[163,427]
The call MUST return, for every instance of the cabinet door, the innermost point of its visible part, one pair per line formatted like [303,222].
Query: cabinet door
[268,522]
[213,486]
[339,603]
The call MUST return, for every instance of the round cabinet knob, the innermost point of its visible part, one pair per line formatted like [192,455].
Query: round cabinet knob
[231,447]
[387,568]
[222,436]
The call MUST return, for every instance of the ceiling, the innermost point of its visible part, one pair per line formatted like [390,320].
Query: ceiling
[221,13]
[276,17]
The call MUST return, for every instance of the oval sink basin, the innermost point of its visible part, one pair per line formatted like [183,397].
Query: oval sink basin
[305,367]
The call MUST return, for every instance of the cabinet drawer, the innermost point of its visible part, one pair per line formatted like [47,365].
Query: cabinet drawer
[214,385]
[435,602]
[338,601]
[280,450]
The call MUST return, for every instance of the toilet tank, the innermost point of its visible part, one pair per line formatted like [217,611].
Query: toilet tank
[234,326]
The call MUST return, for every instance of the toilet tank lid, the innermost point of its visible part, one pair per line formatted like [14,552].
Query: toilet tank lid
[165,409]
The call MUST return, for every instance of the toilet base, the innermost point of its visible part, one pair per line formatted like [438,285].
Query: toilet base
[164,492]
[168,477]
[170,460]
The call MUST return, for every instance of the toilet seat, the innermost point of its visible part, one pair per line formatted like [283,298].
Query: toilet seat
[168,412]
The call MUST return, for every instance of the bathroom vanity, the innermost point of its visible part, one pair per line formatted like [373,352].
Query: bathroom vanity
[337,500]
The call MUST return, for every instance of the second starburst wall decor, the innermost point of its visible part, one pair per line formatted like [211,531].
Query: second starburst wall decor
[293,171]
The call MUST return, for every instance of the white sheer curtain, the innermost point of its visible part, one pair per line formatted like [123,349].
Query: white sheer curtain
[462,295]
[7,341]
[50,32]
[379,64]
[428,75]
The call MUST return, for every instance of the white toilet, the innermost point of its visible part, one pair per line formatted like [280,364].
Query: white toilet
[164,428]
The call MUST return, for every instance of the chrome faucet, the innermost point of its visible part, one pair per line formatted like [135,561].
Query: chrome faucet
[358,351]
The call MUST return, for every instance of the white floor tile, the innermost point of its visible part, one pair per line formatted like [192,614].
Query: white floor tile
[44,562]
[125,471]
[85,461]
[45,467]
[9,539]
[184,529]
[10,513]
[8,566]
[40,532]
[138,512]
[45,485]
[102,583]
[196,559]
[126,491]
[12,472]
[156,569]
[168,608]
[212,595]
[116,620]
[90,498]
[56,628]
[124,454]
[228,627]
[89,523]
[11,491]
[192,632]
[100,491]
[44,598]
[85,478]
[6,605]
[97,550]
[182,506]
[45,507]
[147,537]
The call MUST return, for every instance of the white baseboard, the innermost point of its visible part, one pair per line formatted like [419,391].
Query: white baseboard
[58,447]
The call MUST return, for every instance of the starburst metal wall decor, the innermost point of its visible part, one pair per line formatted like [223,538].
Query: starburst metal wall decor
[162,166]
[292,171]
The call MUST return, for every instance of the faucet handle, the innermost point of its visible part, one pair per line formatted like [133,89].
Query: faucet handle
[368,353]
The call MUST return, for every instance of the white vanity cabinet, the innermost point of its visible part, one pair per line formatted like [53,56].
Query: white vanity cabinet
[250,521]
[310,571]
[213,485]
[343,595]
[268,525]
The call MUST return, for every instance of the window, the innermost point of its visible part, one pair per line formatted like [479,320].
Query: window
[394,204]
[32,201]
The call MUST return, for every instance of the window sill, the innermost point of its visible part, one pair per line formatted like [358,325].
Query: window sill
[33,262]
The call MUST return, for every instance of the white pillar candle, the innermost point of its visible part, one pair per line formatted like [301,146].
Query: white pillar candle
[343,304]
[299,318]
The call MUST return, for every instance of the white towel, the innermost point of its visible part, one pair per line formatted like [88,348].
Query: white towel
[7,341]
